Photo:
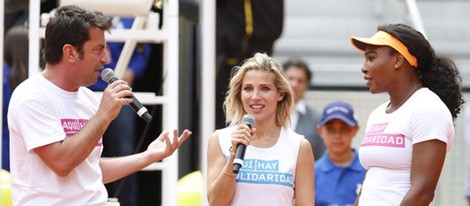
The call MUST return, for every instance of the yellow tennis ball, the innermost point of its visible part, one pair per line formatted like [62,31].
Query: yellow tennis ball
[190,189]
[5,188]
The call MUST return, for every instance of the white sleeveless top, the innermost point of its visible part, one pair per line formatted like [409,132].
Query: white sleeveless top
[268,174]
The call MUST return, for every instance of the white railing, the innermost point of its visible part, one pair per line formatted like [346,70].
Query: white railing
[207,122]
[415,16]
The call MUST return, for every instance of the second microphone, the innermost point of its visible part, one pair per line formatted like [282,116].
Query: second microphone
[248,120]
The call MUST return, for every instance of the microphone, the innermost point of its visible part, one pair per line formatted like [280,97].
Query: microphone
[249,121]
[108,76]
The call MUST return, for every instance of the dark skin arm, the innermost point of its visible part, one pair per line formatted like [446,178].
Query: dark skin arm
[426,166]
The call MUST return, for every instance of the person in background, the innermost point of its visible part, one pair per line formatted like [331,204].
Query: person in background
[338,173]
[56,123]
[120,137]
[406,138]
[278,163]
[303,117]
[243,27]
[16,13]
[15,71]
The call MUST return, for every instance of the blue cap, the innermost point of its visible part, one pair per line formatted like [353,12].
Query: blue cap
[339,110]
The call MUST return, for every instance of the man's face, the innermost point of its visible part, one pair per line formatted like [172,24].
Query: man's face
[93,59]
[298,81]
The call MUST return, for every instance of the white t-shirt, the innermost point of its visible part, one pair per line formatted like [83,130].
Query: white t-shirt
[41,113]
[268,174]
[387,146]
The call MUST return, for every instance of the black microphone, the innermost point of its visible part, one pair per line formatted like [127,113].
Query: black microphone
[108,76]
[249,121]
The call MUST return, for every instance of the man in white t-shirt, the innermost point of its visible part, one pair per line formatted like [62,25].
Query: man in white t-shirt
[56,123]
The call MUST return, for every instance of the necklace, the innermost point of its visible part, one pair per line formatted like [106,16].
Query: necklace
[391,109]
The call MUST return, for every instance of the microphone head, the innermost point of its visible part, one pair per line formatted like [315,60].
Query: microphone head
[107,75]
[248,119]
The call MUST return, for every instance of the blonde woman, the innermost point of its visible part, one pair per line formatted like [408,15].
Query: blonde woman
[278,164]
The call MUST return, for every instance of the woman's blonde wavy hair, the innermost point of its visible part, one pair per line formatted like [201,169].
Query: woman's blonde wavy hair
[233,106]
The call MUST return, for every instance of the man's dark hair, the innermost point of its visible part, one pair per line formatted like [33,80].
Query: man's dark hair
[300,64]
[71,25]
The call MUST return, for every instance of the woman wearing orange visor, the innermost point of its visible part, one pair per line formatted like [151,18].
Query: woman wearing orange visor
[406,138]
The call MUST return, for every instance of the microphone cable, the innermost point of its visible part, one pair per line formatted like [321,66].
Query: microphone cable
[141,138]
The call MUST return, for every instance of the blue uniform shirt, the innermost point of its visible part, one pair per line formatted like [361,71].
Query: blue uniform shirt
[337,186]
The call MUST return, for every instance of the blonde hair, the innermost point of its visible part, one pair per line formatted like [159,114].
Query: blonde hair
[233,106]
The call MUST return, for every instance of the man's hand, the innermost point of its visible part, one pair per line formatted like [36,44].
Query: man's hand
[114,97]
[164,146]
